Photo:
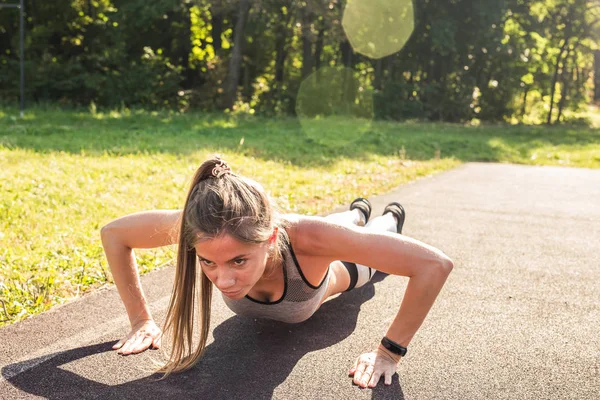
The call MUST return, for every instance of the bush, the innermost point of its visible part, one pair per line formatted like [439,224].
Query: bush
[151,82]
[395,102]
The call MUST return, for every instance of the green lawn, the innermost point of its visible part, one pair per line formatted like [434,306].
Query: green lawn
[64,174]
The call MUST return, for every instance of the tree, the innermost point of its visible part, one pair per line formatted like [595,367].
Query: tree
[230,91]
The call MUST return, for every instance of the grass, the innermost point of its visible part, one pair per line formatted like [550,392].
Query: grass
[64,174]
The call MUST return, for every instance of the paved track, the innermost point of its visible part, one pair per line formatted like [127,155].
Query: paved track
[518,318]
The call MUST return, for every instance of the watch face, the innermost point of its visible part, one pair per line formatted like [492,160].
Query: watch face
[396,349]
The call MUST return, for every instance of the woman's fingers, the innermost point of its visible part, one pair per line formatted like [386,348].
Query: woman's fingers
[126,348]
[143,344]
[138,343]
[353,369]
[142,336]
[130,344]
[363,374]
[374,379]
[388,379]
[369,368]
[359,373]
[367,374]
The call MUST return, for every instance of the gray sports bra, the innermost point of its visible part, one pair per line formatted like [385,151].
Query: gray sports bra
[299,301]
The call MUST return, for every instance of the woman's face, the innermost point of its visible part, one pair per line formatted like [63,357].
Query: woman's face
[233,266]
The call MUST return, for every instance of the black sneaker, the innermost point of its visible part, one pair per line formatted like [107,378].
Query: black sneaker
[398,211]
[363,206]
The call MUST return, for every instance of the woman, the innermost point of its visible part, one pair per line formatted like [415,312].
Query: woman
[268,265]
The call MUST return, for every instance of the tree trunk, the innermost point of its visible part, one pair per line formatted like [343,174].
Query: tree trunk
[554,79]
[566,78]
[281,46]
[216,31]
[282,36]
[378,74]
[233,75]
[390,69]
[410,82]
[524,107]
[346,52]
[596,75]
[307,40]
[91,12]
[563,96]
[189,74]
[280,56]
[319,45]
[247,86]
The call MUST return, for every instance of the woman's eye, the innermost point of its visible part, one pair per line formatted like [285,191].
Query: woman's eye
[240,261]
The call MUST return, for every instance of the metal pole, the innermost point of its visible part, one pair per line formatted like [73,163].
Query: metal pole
[22,34]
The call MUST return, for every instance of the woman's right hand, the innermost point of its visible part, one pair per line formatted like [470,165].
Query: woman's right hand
[143,335]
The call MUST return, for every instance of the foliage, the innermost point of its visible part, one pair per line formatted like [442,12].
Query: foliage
[493,60]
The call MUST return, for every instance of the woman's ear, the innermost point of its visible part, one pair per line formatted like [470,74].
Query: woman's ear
[273,237]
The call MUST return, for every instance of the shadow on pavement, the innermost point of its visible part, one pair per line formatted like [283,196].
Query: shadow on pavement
[248,359]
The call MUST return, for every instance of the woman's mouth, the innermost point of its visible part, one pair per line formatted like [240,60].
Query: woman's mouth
[231,293]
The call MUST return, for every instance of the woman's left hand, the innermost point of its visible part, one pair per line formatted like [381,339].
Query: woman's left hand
[369,367]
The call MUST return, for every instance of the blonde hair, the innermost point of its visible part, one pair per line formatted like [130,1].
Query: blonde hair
[215,205]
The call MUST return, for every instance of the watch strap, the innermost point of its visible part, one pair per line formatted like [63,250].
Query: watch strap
[393,347]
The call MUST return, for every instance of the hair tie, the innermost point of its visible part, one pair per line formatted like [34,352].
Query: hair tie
[220,169]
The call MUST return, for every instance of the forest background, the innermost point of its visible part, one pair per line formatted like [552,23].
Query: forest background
[485,60]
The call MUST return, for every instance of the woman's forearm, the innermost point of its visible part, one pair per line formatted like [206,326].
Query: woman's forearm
[421,292]
[121,260]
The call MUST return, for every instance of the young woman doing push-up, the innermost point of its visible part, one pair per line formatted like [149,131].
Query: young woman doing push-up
[268,265]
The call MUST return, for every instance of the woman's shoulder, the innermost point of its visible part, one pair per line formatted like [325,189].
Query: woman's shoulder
[300,224]
[301,230]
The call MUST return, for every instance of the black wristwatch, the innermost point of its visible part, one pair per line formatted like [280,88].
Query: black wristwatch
[393,347]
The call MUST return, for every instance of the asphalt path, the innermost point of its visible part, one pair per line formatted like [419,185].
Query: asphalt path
[517,319]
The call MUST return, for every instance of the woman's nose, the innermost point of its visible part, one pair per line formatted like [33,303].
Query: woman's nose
[225,280]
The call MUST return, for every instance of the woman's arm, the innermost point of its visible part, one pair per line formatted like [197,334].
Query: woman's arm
[141,230]
[426,266]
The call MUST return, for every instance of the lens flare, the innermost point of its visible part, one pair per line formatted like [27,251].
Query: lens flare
[378,28]
[334,107]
